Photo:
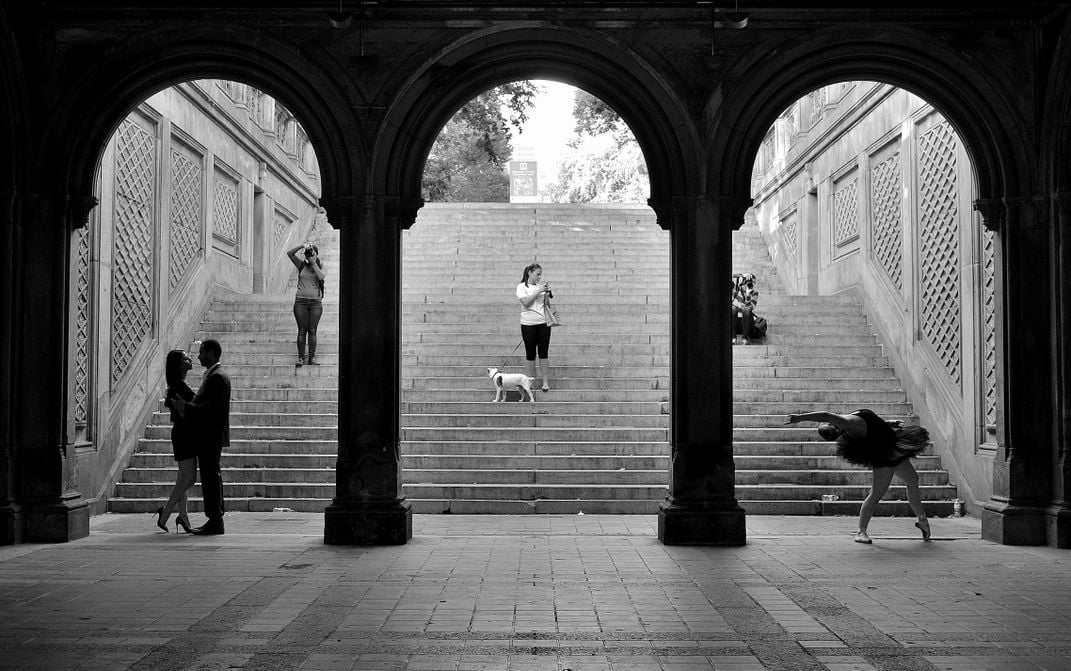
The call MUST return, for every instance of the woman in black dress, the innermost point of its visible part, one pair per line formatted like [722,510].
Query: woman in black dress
[183,441]
[886,448]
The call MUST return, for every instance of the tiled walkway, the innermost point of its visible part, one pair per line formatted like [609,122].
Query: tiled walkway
[539,593]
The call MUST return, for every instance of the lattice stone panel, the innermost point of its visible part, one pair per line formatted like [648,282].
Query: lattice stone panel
[989,328]
[939,245]
[282,223]
[186,215]
[790,232]
[83,281]
[846,213]
[226,207]
[886,218]
[132,255]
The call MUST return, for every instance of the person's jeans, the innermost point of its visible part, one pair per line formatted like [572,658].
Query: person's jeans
[743,318]
[307,312]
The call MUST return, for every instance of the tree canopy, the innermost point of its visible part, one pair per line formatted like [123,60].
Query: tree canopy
[468,161]
[605,164]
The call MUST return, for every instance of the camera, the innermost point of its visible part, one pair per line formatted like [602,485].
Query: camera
[309,252]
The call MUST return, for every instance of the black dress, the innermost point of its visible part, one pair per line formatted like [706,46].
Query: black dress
[183,438]
[883,445]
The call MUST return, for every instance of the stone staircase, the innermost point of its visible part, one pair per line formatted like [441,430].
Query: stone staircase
[598,442]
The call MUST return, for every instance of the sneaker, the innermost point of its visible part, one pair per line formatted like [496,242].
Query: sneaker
[861,537]
[300,361]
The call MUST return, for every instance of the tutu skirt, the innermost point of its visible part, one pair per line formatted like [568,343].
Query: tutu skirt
[910,440]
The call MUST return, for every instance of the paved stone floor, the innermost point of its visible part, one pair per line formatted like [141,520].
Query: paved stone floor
[534,593]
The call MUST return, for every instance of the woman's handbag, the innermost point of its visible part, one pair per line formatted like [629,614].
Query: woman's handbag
[550,313]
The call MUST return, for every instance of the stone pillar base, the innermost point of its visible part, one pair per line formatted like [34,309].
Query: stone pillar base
[354,523]
[56,523]
[678,525]
[11,524]
[1010,524]
[1058,524]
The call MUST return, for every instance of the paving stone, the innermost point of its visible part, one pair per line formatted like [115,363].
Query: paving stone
[270,595]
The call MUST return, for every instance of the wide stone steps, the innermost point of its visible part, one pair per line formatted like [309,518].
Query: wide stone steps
[599,442]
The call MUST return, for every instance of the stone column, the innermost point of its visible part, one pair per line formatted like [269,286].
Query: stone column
[38,499]
[701,508]
[1022,471]
[368,508]
[1058,515]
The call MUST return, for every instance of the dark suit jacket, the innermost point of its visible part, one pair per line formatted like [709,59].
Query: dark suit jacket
[210,411]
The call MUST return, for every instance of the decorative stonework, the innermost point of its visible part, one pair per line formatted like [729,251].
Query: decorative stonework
[281,225]
[790,234]
[989,330]
[818,99]
[186,215]
[886,219]
[766,152]
[132,254]
[938,231]
[226,209]
[846,213]
[83,282]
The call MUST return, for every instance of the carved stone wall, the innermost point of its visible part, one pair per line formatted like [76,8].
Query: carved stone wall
[187,213]
[886,218]
[939,254]
[134,240]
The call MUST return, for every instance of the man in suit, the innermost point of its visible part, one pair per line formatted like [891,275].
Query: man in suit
[209,411]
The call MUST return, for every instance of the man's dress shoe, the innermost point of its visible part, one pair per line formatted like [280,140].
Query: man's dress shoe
[209,529]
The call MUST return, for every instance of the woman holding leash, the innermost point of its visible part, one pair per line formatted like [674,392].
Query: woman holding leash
[532,292]
[308,302]
[885,448]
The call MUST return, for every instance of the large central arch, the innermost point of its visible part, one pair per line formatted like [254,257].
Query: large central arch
[702,507]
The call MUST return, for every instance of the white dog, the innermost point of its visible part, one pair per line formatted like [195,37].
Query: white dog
[504,381]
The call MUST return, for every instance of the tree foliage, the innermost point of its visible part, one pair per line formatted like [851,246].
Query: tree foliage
[593,116]
[605,164]
[468,160]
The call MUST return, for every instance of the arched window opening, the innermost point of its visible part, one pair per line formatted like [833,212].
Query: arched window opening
[200,194]
[535,172]
[866,189]
[531,142]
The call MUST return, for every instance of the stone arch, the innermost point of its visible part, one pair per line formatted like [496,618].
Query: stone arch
[1056,116]
[998,130]
[141,67]
[978,108]
[13,108]
[484,59]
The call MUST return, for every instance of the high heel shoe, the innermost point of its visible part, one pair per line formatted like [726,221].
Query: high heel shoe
[159,512]
[179,522]
[924,527]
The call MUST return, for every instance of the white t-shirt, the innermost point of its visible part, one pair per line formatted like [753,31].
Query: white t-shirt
[533,315]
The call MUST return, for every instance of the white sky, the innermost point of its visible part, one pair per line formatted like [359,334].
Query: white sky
[549,127]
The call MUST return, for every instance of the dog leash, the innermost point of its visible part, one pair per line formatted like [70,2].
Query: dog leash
[512,353]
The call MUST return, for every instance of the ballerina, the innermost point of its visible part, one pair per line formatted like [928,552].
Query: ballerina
[865,439]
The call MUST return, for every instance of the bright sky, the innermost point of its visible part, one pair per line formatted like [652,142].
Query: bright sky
[549,127]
